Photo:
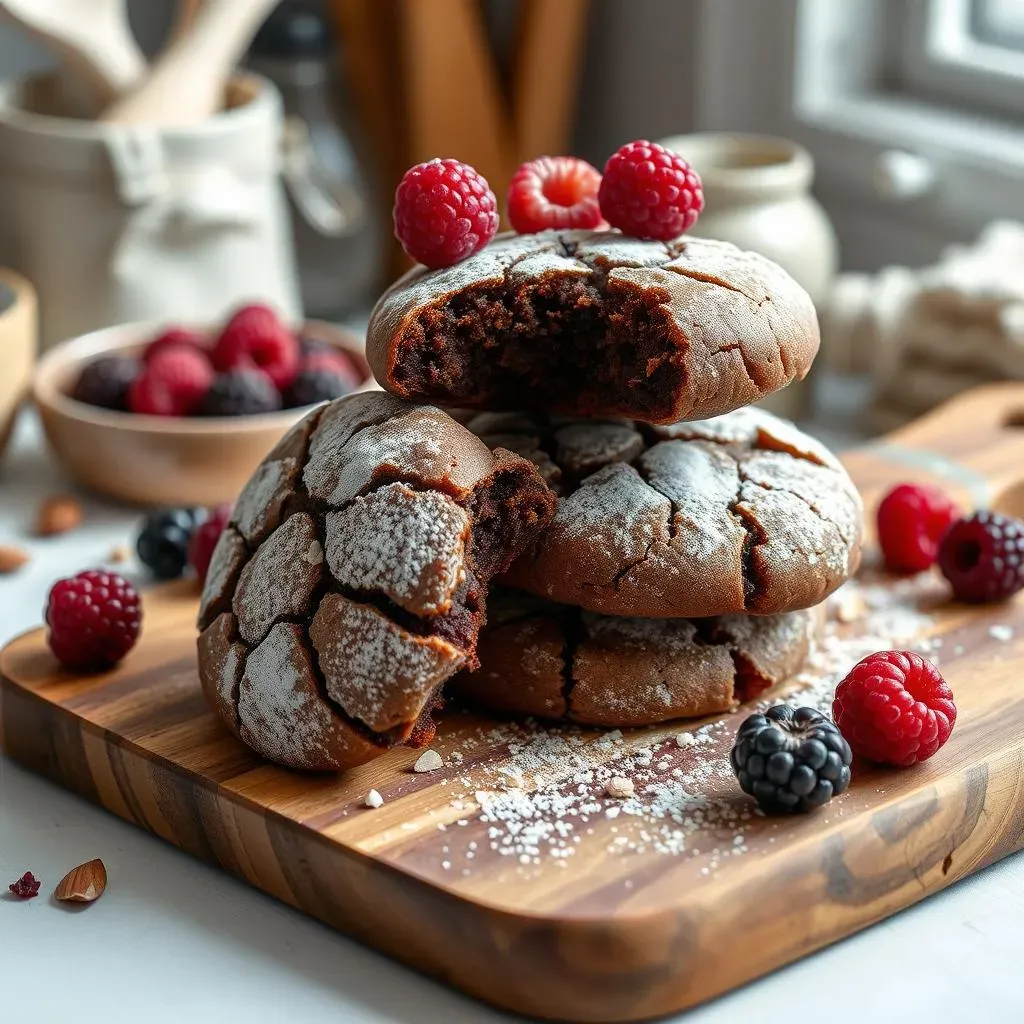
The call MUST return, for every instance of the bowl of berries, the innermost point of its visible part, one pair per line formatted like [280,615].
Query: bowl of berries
[158,415]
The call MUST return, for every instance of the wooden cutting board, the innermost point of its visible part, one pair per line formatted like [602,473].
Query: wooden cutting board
[633,921]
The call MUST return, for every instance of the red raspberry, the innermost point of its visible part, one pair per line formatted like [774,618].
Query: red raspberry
[172,338]
[172,384]
[982,556]
[444,212]
[554,192]
[912,519]
[204,540]
[650,192]
[894,708]
[255,339]
[94,619]
[334,362]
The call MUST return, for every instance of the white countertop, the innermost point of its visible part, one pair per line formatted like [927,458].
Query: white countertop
[174,940]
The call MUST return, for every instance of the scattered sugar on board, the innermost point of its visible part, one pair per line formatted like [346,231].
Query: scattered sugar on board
[551,784]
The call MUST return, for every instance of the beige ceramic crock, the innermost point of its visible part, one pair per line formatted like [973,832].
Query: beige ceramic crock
[757,194]
[116,223]
[17,347]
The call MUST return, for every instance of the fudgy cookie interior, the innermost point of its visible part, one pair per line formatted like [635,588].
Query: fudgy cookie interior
[536,342]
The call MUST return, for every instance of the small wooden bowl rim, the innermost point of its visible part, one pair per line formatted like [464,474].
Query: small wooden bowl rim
[57,367]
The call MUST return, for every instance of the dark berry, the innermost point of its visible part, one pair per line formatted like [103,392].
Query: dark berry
[313,386]
[105,382]
[982,556]
[94,619]
[26,887]
[791,759]
[309,346]
[240,393]
[162,544]
[204,540]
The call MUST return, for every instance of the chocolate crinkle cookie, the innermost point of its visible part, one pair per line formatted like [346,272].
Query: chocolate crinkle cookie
[556,661]
[740,513]
[595,324]
[350,583]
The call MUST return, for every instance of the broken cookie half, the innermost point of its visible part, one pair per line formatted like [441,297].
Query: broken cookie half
[351,581]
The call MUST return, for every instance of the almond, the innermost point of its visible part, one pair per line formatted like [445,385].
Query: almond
[58,514]
[83,884]
[11,559]
[119,555]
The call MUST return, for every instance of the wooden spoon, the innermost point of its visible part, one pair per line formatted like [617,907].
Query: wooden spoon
[186,85]
[91,38]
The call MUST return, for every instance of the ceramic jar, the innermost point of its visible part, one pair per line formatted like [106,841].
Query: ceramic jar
[115,223]
[17,347]
[757,193]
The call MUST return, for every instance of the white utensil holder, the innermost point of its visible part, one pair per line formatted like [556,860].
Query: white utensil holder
[114,223]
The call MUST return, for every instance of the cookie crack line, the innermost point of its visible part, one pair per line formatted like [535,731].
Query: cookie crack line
[696,275]
[749,368]
[575,633]
[818,513]
[753,585]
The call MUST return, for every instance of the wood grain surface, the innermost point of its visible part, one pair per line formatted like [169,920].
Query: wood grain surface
[594,936]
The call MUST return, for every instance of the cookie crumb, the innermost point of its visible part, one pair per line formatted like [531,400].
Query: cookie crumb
[685,739]
[850,606]
[373,799]
[428,761]
[119,555]
[619,787]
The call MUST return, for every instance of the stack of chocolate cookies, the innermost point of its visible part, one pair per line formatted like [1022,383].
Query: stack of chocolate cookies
[598,528]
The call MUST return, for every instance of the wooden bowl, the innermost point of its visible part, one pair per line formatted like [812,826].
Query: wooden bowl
[17,347]
[156,460]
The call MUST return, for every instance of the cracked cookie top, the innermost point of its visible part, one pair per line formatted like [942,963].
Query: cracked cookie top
[350,583]
[595,324]
[742,512]
[556,661]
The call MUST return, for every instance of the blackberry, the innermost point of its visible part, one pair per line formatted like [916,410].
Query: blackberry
[313,386]
[240,393]
[982,556]
[791,759]
[104,382]
[309,346]
[162,543]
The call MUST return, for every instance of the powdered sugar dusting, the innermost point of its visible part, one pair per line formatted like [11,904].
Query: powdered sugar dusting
[225,565]
[547,792]
[409,545]
[280,711]
[374,669]
[261,597]
[259,505]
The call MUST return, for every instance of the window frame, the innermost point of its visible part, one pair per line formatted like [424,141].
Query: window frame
[819,71]
[942,57]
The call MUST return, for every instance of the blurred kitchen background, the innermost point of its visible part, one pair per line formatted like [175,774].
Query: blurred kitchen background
[910,112]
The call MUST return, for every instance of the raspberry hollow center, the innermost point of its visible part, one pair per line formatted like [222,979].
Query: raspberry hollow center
[561,190]
[967,555]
